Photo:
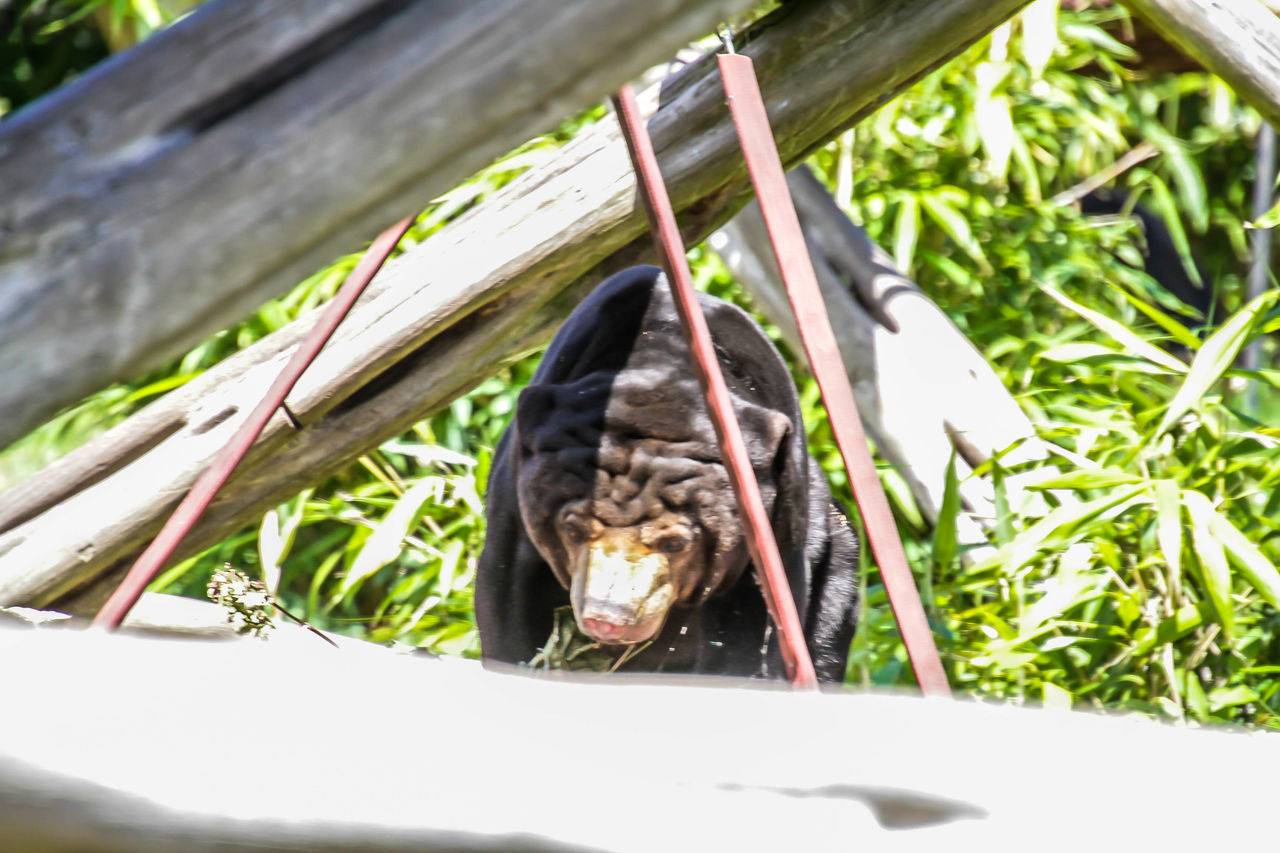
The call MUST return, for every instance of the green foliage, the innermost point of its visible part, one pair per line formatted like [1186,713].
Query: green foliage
[1134,569]
[567,648]
[386,550]
[39,50]
[1140,570]
[44,43]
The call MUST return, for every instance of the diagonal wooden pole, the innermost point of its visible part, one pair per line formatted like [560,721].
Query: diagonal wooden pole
[1238,40]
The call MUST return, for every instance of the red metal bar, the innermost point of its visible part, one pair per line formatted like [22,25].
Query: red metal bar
[765,167]
[760,542]
[206,486]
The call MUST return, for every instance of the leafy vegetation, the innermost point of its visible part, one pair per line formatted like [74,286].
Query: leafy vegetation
[39,50]
[44,43]
[1149,582]
[1143,578]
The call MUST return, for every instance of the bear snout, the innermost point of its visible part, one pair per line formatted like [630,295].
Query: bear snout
[621,590]
[602,631]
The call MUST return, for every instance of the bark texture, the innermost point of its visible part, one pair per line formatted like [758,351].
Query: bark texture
[174,189]
[485,290]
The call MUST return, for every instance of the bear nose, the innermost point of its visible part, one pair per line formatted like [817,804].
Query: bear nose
[602,630]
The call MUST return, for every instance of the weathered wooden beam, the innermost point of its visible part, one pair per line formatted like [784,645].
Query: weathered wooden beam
[484,290]
[172,191]
[122,745]
[1239,40]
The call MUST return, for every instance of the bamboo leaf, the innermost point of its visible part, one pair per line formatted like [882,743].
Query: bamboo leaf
[1039,23]
[1187,176]
[1098,357]
[1176,330]
[1185,620]
[1088,478]
[1100,39]
[1226,697]
[1214,357]
[1270,219]
[1193,690]
[906,232]
[160,386]
[944,533]
[1028,543]
[1118,332]
[276,534]
[1055,697]
[955,225]
[427,454]
[1069,588]
[271,547]
[384,543]
[1169,527]
[1004,516]
[1076,351]
[1253,564]
[1215,572]
[995,127]
[948,268]
[1162,199]
[1026,164]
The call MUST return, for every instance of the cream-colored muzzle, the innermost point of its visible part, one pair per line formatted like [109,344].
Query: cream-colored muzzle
[621,589]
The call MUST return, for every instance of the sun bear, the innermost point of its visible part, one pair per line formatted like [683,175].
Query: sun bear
[607,492]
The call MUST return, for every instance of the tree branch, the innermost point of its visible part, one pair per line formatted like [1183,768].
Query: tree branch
[481,292]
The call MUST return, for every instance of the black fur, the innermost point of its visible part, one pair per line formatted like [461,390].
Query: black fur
[1161,260]
[614,415]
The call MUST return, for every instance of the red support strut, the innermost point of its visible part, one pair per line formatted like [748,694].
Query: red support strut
[770,182]
[733,450]
[193,505]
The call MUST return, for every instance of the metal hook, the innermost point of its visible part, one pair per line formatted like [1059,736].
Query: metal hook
[726,36]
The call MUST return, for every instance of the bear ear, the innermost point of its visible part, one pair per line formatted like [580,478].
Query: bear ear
[766,433]
[554,416]
[533,409]
[602,331]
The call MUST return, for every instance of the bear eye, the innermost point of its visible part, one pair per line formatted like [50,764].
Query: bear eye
[672,544]
[575,530]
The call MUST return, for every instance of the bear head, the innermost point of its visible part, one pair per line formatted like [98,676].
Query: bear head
[623,493]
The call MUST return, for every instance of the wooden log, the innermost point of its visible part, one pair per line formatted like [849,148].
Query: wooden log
[481,292]
[227,746]
[1238,40]
[170,192]
[159,614]
[923,391]
[1155,54]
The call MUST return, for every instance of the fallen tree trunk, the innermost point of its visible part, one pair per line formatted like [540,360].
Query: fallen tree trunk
[172,191]
[1239,40]
[481,292]
[177,752]
[922,389]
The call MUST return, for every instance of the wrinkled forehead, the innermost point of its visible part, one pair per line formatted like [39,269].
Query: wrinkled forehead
[660,403]
[645,479]
[645,429]
[653,458]
[625,481]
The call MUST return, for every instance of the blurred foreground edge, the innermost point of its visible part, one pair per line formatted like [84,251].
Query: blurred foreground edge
[199,746]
